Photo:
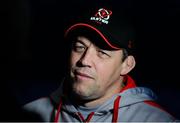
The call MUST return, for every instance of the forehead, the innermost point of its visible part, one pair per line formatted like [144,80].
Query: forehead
[84,40]
[87,42]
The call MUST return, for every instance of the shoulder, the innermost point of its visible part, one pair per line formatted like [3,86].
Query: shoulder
[150,111]
[41,107]
[38,104]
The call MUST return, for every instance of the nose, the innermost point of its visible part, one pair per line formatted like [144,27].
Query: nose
[86,59]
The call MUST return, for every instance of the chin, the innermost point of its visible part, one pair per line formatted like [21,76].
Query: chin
[85,93]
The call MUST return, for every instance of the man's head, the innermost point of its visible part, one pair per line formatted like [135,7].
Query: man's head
[99,57]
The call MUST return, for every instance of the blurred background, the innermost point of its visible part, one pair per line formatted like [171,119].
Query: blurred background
[32,50]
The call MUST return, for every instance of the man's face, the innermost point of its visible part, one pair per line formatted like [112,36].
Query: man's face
[94,72]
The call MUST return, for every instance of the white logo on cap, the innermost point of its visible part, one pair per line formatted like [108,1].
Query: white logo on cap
[102,16]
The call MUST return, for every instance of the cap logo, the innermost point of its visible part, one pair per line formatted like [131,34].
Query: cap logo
[102,16]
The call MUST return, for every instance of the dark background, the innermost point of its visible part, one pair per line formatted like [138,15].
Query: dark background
[32,50]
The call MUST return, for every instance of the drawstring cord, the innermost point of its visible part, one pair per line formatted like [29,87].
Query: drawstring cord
[88,118]
[114,118]
[58,112]
[116,110]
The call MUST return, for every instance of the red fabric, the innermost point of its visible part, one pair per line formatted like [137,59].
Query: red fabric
[58,112]
[81,117]
[130,83]
[116,109]
[152,103]
[88,118]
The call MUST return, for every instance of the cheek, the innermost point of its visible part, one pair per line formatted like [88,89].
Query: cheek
[103,72]
[72,63]
[108,72]
[73,59]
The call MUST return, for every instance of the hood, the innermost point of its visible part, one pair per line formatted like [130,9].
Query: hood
[130,94]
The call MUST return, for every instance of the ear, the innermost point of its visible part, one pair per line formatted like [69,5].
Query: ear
[128,64]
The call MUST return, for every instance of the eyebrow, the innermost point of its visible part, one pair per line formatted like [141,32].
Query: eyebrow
[75,40]
[82,42]
[79,41]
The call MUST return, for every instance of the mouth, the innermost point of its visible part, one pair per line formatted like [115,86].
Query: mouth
[82,75]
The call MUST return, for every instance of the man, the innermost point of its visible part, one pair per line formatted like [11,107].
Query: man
[97,87]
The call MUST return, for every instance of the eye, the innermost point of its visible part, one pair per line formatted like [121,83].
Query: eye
[103,54]
[78,47]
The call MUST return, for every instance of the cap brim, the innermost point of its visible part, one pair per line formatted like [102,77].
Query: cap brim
[84,27]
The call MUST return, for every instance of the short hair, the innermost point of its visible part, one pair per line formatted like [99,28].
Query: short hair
[125,54]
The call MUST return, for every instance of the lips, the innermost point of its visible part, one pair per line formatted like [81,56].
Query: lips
[83,75]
